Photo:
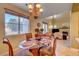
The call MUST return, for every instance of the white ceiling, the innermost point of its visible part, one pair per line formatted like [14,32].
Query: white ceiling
[49,8]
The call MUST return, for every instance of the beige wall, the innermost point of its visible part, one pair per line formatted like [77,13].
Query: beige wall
[74,25]
[33,25]
[74,29]
[15,39]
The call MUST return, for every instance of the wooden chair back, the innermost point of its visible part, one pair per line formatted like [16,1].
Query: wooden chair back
[6,41]
[34,51]
[28,36]
[39,35]
[36,35]
[54,47]
[53,50]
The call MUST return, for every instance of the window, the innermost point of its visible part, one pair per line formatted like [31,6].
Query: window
[24,23]
[45,27]
[15,24]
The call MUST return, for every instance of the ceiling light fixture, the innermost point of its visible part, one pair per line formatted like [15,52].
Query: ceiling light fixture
[35,9]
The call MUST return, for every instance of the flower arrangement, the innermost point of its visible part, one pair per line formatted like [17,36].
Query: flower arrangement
[37,30]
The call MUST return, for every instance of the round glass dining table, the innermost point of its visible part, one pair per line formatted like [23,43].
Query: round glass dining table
[34,45]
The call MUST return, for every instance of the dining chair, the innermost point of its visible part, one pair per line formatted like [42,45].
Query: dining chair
[49,52]
[6,41]
[28,36]
[19,52]
[44,52]
[34,51]
[54,47]
[37,35]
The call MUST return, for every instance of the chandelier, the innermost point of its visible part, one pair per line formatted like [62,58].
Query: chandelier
[35,9]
